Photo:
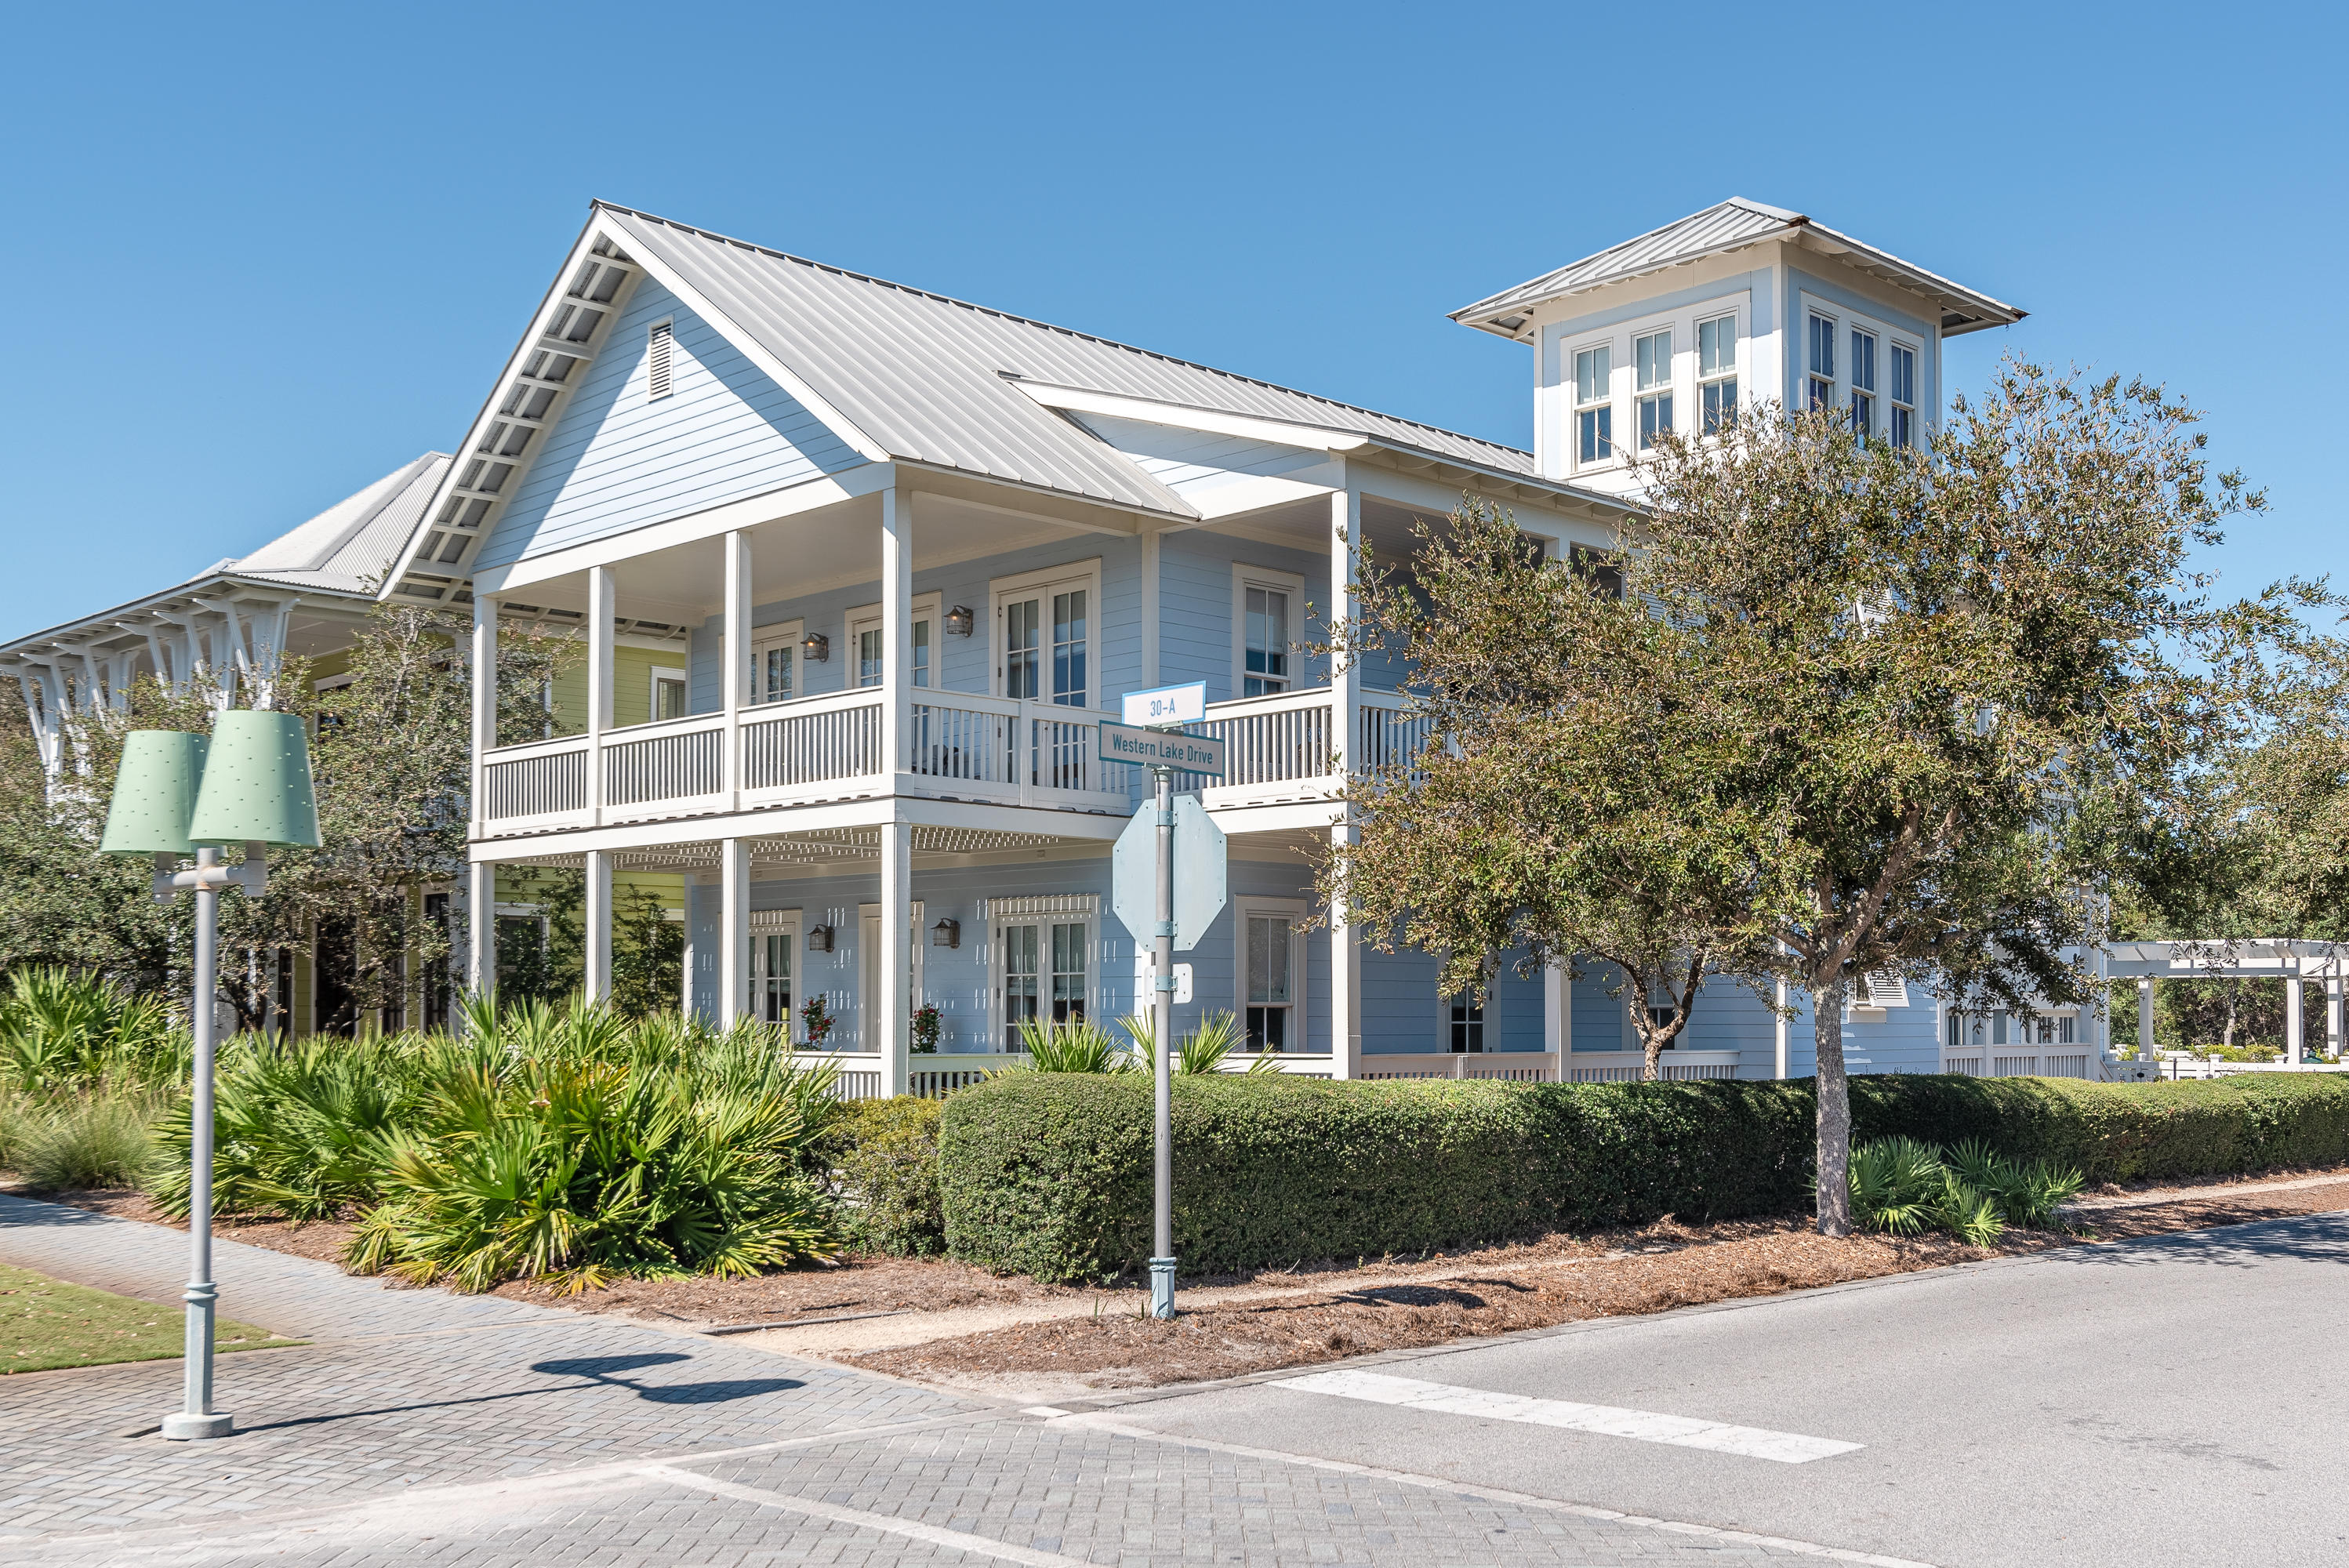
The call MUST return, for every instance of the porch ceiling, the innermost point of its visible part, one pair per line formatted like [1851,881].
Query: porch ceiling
[834,846]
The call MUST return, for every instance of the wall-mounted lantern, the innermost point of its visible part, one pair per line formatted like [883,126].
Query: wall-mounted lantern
[819,939]
[947,934]
[816,647]
[959,620]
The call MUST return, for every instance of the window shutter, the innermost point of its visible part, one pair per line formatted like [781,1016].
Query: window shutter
[1882,989]
[657,361]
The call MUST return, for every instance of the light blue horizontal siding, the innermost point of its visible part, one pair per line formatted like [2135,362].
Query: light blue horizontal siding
[1195,607]
[616,461]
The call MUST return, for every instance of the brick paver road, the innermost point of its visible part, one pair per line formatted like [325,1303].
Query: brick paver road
[423,1428]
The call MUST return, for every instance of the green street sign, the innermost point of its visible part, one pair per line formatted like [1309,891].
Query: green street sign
[1162,748]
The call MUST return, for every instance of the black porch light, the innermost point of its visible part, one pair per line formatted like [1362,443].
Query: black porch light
[947,934]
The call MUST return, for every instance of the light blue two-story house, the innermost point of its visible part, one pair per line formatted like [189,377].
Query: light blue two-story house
[922,548]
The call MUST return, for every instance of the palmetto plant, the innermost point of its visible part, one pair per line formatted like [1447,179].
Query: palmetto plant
[1074,1046]
[1202,1050]
[1904,1187]
[60,1030]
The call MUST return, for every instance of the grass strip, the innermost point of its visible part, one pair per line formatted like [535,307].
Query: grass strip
[45,1322]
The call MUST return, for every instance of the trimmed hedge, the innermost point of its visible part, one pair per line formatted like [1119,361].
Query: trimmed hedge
[1047,1174]
[883,1155]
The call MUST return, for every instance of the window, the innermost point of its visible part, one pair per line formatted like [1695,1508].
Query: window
[1652,364]
[1266,609]
[1045,626]
[1465,1013]
[1903,392]
[1271,976]
[1716,370]
[775,662]
[868,642]
[668,695]
[1601,570]
[1863,383]
[1594,417]
[1042,955]
[659,343]
[774,944]
[1823,348]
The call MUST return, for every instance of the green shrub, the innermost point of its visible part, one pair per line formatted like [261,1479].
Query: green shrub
[60,1030]
[77,1141]
[1049,1174]
[1902,1186]
[884,1155]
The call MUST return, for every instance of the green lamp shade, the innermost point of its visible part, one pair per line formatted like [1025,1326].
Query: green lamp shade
[154,793]
[256,783]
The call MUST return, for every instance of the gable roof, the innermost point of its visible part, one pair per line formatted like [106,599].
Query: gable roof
[1722,227]
[896,372]
[348,547]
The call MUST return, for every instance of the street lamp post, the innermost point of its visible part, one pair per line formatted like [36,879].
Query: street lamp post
[177,795]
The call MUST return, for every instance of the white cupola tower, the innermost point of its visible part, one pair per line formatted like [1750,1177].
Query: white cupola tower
[1731,307]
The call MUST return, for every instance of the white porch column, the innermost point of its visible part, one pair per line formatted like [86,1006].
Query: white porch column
[599,925]
[1151,543]
[2292,1029]
[1345,730]
[481,927]
[599,681]
[733,931]
[2145,1019]
[896,632]
[736,677]
[895,963]
[1780,1033]
[1558,1014]
[2333,1013]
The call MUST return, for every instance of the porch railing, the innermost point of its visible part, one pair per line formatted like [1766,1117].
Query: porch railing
[817,740]
[1287,747]
[1506,1067]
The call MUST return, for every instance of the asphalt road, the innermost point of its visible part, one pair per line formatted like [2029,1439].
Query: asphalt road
[2180,1400]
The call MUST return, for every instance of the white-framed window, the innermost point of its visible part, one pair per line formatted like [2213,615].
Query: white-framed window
[1716,372]
[1270,969]
[1464,1022]
[1822,362]
[775,662]
[1862,375]
[1902,393]
[1652,377]
[666,699]
[1044,632]
[868,642]
[660,349]
[1043,958]
[1267,609]
[1594,407]
[774,966]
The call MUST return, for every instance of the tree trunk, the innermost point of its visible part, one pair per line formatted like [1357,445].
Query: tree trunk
[1834,1114]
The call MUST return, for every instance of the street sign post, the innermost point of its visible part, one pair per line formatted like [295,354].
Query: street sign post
[1184,850]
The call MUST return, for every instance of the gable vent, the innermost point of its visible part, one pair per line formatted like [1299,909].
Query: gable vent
[657,361]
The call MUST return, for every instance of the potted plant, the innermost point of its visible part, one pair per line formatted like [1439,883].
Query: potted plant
[926,1027]
[816,1020]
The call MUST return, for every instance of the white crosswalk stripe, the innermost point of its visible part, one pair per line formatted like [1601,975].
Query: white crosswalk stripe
[1607,1420]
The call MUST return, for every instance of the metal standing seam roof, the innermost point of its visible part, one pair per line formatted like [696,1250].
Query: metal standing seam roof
[923,376]
[1724,226]
[349,546]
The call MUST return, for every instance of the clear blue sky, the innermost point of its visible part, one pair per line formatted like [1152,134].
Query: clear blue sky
[262,255]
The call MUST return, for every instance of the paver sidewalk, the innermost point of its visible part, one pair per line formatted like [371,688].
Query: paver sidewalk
[421,1426]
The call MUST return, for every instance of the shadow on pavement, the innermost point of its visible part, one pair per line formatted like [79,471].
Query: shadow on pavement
[2310,1238]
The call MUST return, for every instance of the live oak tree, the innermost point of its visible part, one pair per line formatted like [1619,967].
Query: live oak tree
[1856,708]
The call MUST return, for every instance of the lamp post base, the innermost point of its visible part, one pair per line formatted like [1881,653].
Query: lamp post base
[180,1427]
[1162,1288]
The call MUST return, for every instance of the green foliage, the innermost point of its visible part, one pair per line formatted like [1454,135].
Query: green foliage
[1903,1186]
[1078,1045]
[78,1139]
[647,955]
[1203,1050]
[1049,1174]
[884,1160]
[576,1144]
[63,1030]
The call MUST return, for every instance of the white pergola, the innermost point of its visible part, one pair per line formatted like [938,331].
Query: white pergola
[2248,958]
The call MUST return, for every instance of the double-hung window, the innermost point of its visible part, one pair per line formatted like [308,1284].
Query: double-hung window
[669,700]
[1267,654]
[1594,414]
[774,947]
[1716,371]
[1903,395]
[1863,383]
[1823,363]
[1044,622]
[1272,975]
[1652,363]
